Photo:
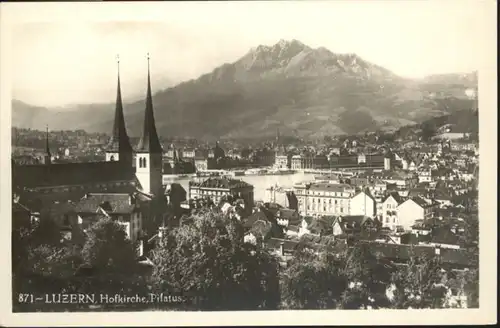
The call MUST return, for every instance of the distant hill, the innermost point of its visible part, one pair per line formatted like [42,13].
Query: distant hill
[461,121]
[464,121]
[304,92]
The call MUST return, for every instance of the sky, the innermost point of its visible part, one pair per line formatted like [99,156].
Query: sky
[60,57]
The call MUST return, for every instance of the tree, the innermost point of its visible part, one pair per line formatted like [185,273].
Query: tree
[206,258]
[44,234]
[470,238]
[335,277]
[429,130]
[111,259]
[41,262]
[312,281]
[418,285]
[471,287]
[46,231]
[108,248]
[368,278]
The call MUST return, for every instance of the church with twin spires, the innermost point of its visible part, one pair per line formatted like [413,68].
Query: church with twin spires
[149,152]
[123,190]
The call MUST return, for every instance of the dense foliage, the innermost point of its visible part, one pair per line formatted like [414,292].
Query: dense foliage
[45,263]
[107,247]
[206,260]
[357,279]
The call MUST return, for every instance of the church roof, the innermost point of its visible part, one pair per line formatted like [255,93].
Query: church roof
[119,139]
[111,203]
[69,174]
[149,142]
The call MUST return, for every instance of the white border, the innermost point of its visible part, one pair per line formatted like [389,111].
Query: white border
[30,12]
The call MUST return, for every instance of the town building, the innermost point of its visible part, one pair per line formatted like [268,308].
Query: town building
[282,159]
[323,198]
[201,164]
[265,157]
[174,163]
[411,210]
[362,203]
[217,152]
[296,162]
[188,153]
[216,188]
[361,161]
[123,208]
[389,210]
[403,180]
[425,175]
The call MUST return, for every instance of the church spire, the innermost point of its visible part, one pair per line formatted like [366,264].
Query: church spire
[119,142]
[149,142]
[48,155]
[174,153]
[277,139]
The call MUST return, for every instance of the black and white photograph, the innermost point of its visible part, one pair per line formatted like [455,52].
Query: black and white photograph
[215,157]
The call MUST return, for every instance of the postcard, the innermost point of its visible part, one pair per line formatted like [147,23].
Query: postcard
[239,163]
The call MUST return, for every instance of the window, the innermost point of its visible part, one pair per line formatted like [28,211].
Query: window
[112,158]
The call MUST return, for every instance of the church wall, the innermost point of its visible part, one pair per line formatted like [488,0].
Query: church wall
[149,172]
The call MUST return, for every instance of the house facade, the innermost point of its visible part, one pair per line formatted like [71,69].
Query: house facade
[201,164]
[282,161]
[362,203]
[217,188]
[323,198]
[389,211]
[425,175]
[123,208]
[411,210]
[296,162]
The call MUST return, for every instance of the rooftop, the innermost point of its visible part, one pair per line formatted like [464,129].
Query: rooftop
[331,187]
[70,174]
[111,203]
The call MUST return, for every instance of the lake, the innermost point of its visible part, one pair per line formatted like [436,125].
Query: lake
[261,182]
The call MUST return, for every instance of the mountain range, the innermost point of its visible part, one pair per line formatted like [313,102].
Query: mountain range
[302,91]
